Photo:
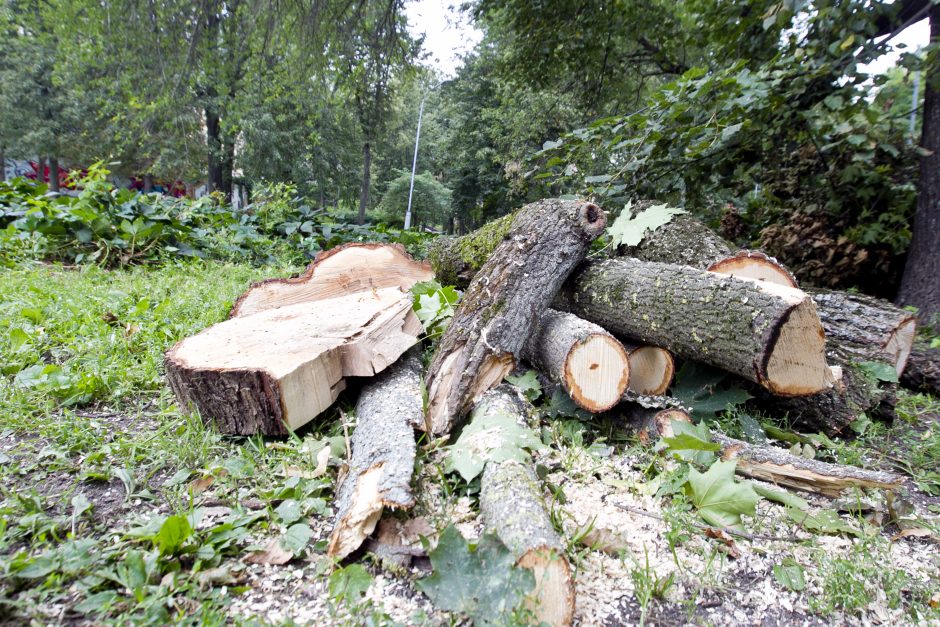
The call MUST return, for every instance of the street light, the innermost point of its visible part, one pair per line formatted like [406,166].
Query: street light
[414,163]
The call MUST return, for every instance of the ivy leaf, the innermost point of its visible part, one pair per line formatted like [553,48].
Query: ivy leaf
[698,388]
[628,230]
[495,438]
[825,521]
[482,582]
[719,499]
[528,384]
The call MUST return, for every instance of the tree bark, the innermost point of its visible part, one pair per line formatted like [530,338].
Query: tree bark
[383,454]
[651,417]
[920,283]
[214,144]
[513,508]
[766,333]
[54,175]
[3,166]
[776,465]
[503,302]
[41,170]
[867,328]
[148,183]
[366,178]
[588,362]
[456,259]
[923,369]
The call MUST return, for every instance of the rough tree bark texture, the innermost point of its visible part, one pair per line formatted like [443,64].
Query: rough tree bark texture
[923,369]
[588,362]
[867,328]
[776,465]
[336,272]
[920,285]
[651,417]
[686,241]
[767,333]
[831,411]
[456,259]
[383,454]
[503,302]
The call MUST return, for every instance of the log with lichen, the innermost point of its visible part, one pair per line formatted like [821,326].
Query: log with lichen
[456,259]
[504,301]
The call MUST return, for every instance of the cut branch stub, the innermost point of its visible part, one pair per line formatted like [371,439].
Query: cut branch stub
[383,454]
[651,369]
[591,365]
[340,271]
[278,369]
[499,309]
[653,420]
[767,333]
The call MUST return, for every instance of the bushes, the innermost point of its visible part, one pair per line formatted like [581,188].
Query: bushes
[115,227]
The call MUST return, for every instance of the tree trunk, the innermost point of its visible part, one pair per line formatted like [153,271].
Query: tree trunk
[148,183]
[456,259]
[867,328]
[767,333]
[651,369]
[54,175]
[776,465]
[41,170]
[228,168]
[214,144]
[366,178]
[504,301]
[923,369]
[513,508]
[588,362]
[383,454]
[3,165]
[920,284]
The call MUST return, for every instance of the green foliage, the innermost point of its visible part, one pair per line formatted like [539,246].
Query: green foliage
[490,438]
[434,305]
[350,583]
[430,202]
[789,574]
[528,384]
[719,499]
[629,229]
[699,388]
[480,581]
[823,521]
[691,443]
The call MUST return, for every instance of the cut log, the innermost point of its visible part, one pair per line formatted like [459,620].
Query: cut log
[588,362]
[275,370]
[853,393]
[651,417]
[776,465]
[383,454]
[867,328]
[456,259]
[513,508]
[766,333]
[651,369]
[337,272]
[501,306]
[686,241]
[923,369]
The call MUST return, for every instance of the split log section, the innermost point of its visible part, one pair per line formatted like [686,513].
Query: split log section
[588,362]
[282,358]
[513,508]
[383,454]
[504,301]
[651,369]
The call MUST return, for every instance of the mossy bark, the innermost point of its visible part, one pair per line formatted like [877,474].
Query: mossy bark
[456,259]
[503,303]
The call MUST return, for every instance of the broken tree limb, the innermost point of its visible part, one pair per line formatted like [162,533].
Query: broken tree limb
[504,301]
[687,241]
[866,328]
[588,362]
[923,369]
[340,271]
[277,369]
[766,333]
[776,465]
[651,369]
[383,454]
[456,259]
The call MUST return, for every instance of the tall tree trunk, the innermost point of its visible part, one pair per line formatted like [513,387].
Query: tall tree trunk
[228,167]
[213,139]
[53,174]
[920,285]
[41,170]
[364,192]
[148,183]
[3,165]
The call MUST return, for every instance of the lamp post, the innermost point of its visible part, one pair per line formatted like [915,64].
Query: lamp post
[414,163]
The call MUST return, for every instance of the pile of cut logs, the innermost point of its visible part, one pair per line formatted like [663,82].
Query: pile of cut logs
[606,331]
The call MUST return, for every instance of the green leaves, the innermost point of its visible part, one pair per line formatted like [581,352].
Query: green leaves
[350,584]
[691,443]
[482,581]
[173,533]
[824,521]
[528,384]
[789,574]
[493,437]
[434,305]
[719,499]
[629,230]
[880,371]
[699,388]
